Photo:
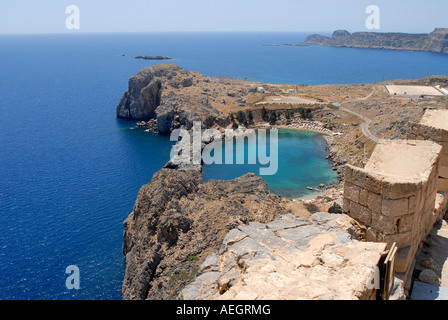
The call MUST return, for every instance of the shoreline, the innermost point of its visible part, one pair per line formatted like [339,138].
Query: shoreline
[306,127]
[315,130]
[312,196]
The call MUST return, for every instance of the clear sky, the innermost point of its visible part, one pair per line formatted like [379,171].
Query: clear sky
[49,16]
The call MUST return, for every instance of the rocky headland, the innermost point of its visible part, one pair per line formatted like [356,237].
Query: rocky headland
[436,41]
[176,240]
[162,92]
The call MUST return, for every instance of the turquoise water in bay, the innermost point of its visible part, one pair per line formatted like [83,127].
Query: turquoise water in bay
[301,164]
[70,171]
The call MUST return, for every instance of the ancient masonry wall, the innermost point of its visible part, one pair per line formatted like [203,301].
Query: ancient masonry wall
[391,212]
[403,189]
[419,131]
[395,209]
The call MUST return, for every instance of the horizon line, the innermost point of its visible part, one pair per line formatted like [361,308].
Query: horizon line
[200,31]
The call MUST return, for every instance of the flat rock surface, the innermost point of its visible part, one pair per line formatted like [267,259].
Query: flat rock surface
[403,159]
[436,118]
[289,258]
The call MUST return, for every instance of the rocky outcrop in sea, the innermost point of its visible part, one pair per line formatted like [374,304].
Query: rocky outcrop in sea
[152,57]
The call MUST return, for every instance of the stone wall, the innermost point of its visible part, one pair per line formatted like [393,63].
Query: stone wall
[434,127]
[394,196]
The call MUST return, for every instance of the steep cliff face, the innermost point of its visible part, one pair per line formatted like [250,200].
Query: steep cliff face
[144,93]
[178,220]
[436,41]
[166,92]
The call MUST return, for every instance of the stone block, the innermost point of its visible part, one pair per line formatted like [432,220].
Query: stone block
[395,208]
[348,173]
[429,203]
[441,204]
[443,185]
[359,177]
[406,223]
[360,213]
[433,186]
[385,225]
[402,239]
[443,172]
[345,205]
[397,189]
[373,183]
[351,191]
[413,204]
[434,171]
[363,197]
[443,162]
[374,202]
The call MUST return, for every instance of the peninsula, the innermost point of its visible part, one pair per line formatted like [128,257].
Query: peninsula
[436,41]
[191,239]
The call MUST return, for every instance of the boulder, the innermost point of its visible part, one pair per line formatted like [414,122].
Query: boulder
[429,276]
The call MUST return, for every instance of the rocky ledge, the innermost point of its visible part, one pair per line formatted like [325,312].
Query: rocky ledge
[290,258]
[178,220]
[165,92]
[436,41]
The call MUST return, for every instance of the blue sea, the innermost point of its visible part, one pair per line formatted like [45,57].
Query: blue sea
[70,170]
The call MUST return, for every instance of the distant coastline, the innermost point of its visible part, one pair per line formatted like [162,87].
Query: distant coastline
[436,41]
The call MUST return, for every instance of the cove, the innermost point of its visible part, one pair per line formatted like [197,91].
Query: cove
[301,163]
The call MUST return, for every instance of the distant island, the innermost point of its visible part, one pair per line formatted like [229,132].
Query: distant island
[436,41]
[153,57]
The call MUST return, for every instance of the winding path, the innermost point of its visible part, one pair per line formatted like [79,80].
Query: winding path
[367,121]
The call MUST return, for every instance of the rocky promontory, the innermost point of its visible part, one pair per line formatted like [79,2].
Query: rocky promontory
[178,220]
[436,41]
[165,92]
